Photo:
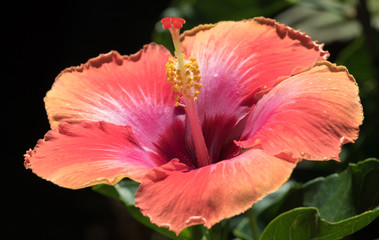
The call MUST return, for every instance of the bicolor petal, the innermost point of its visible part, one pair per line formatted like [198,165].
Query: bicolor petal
[81,155]
[123,90]
[237,60]
[176,197]
[307,116]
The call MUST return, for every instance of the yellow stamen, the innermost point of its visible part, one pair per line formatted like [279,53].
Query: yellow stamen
[185,78]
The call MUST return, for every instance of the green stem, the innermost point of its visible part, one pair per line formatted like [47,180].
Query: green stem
[215,232]
[220,231]
[225,230]
[253,223]
[197,232]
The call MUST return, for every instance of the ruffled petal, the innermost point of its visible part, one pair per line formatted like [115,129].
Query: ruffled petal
[240,59]
[307,116]
[176,197]
[81,155]
[123,90]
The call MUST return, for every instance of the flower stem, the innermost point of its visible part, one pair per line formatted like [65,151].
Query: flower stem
[225,230]
[253,223]
[197,232]
[220,231]
[215,232]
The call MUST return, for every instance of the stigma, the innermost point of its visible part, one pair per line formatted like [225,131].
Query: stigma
[172,22]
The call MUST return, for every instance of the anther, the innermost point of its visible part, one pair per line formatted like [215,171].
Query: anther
[185,79]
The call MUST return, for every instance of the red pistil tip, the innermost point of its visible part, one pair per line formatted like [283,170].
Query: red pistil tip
[174,22]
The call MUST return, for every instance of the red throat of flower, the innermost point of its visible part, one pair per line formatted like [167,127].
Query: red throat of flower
[184,74]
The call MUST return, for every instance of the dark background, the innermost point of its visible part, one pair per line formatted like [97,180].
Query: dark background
[41,39]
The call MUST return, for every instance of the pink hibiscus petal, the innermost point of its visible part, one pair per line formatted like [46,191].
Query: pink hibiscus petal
[81,155]
[239,59]
[307,116]
[123,90]
[177,197]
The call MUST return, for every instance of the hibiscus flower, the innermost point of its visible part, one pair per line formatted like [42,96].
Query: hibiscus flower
[207,132]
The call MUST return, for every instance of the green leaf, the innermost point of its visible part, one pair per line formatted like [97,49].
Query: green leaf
[305,223]
[365,184]
[343,195]
[337,197]
[332,196]
[125,191]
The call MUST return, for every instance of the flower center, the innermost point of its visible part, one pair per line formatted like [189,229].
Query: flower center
[184,74]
